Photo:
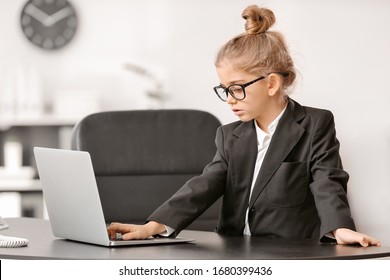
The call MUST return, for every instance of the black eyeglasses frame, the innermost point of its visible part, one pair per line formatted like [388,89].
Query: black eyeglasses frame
[228,90]
[243,86]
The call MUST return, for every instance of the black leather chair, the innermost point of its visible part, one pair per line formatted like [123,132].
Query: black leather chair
[142,157]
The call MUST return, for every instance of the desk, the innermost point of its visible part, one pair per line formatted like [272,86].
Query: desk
[208,245]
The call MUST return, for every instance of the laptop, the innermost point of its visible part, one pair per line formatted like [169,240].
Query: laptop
[72,199]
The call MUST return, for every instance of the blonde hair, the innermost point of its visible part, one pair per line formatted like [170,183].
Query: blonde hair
[259,51]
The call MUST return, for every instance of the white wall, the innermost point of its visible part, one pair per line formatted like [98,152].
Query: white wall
[340,48]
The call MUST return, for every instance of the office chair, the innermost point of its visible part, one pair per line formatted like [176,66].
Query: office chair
[142,157]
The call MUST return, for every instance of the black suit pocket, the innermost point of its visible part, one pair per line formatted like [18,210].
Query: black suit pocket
[289,185]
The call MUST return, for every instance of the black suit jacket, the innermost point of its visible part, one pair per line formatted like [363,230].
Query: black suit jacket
[300,191]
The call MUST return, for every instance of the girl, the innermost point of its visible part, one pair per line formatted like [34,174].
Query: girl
[278,168]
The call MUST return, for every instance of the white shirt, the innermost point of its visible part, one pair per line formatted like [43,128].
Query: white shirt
[263,141]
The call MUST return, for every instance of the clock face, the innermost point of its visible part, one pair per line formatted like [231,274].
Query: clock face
[48,24]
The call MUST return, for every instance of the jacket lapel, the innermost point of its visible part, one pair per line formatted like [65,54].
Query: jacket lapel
[244,152]
[286,136]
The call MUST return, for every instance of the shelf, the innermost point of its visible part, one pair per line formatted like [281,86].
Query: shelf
[46,120]
[18,180]
[20,185]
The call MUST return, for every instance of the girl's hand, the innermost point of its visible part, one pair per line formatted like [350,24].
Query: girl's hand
[346,236]
[130,231]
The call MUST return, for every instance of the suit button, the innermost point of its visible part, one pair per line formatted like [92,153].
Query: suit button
[252,209]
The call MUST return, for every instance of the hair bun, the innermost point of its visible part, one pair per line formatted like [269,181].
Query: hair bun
[258,20]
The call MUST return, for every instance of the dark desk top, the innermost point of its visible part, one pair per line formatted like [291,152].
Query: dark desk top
[208,245]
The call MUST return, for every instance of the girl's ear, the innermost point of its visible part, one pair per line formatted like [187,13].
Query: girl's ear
[274,84]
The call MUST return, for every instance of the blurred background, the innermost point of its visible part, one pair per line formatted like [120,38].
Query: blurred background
[151,54]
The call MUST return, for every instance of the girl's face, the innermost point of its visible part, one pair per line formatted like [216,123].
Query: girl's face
[257,100]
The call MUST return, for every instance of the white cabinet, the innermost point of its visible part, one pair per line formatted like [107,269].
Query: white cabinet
[46,131]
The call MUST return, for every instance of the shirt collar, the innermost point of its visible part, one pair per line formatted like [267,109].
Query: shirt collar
[271,128]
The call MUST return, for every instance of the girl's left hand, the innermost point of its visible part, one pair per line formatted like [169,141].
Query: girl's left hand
[346,236]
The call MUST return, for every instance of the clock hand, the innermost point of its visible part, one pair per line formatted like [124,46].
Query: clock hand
[36,13]
[57,16]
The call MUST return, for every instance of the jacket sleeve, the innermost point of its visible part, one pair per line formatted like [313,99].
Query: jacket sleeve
[196,195]
[329,184]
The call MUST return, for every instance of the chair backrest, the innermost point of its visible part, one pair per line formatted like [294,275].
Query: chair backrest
[142,157]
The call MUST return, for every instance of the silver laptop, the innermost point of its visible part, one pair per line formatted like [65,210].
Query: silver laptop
[72,199]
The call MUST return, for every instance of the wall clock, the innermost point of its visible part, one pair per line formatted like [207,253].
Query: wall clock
[49,24]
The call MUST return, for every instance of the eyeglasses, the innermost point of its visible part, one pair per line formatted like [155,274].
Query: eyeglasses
[237,91]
